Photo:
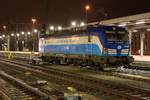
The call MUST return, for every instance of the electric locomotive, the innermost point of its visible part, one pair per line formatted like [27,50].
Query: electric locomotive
[95,46]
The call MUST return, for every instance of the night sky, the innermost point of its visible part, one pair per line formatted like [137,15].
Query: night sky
[63,11]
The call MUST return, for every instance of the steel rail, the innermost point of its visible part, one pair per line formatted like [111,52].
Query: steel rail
[97,86]
[19,82]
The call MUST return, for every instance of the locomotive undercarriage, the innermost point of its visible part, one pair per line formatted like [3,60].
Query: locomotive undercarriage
[94,62]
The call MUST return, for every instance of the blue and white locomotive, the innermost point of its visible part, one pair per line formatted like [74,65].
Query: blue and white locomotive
[94,46]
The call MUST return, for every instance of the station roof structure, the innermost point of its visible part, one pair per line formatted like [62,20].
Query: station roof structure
[139,21]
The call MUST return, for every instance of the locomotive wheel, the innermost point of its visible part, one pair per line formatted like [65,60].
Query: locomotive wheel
[33,62]
[57,62]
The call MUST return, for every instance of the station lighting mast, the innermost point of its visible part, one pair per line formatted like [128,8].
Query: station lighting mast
[34,35]
[87,9]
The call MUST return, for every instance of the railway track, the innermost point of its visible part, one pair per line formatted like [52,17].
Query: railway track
[139,66]
[3,92]
[15,89]
[85,84]
[13,93]
[130,72]
[120,73]
[35,82]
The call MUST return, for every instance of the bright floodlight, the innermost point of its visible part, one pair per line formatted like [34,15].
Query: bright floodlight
[3,35]
[59,28]
[35,30]
[82,24]
[51,27]
[18,34]
[22,33]
[140,22]
[122,25]
[29,33]
[73,23]
[148,29]
[12,34]
[135,31]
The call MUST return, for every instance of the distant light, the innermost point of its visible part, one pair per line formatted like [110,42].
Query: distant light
[33,20]
[3,36]
[22,33]
[35,30]
[29,33]
[148,29]
[12,34]
[73,23]
[59,28]
[4,27]
[82,24]
[135,30]
[87,7]
[18,34]
[0,37]
[122,25]
[140,22]
[51,27]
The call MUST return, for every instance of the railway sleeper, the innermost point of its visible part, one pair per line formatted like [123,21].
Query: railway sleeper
[113,91]
[25,86]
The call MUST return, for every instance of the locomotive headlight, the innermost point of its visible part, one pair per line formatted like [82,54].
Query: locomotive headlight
[125,51]
[112,51]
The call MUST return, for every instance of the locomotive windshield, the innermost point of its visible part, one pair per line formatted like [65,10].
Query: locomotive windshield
[117,35]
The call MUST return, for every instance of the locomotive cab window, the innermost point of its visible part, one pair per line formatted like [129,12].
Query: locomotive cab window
[116,35]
